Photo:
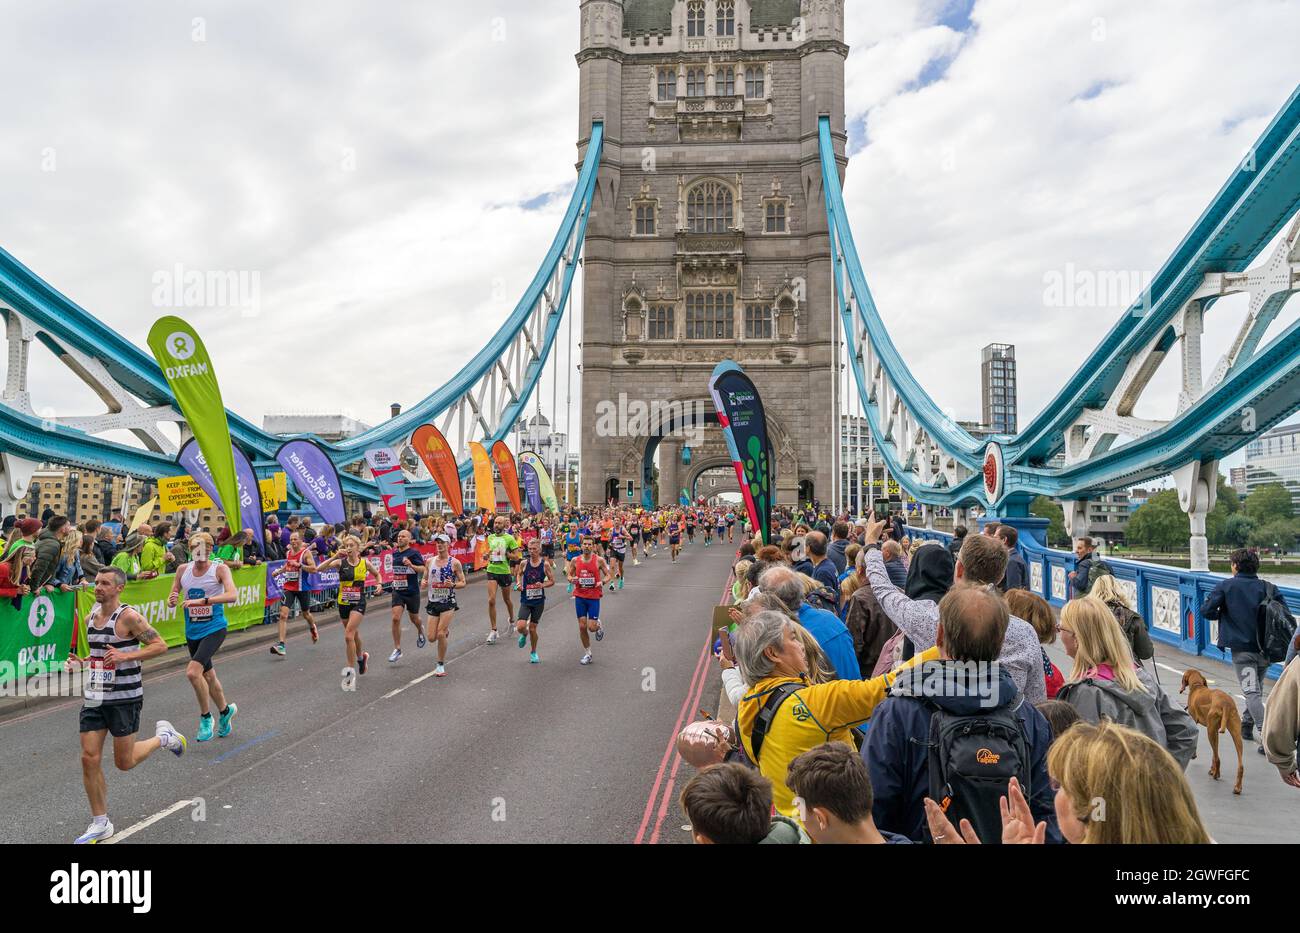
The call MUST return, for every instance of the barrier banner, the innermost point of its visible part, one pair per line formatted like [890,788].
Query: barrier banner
[485,491]
[315,477]
[149,598]
[182,493]
[744,424]
[545,486]
[438,459]
[186,364]
[35,637]
[387,470]
[509,476]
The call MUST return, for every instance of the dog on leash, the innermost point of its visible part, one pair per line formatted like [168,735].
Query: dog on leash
[1216,711]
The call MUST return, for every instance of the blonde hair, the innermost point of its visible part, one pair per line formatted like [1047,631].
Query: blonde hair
[1100,641]
[348,539]
[202,537]
[819,667]
[1144,793]
[1104,588]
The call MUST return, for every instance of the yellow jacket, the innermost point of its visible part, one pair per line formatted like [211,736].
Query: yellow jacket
[814,714]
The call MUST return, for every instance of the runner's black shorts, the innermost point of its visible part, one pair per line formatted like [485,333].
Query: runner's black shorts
[447,605]
[301,597]
[619,556]
[120,719]
[506,580]
[548,551]
[346,609]
[531,612]
[205,648]
[635,534]
[408,599]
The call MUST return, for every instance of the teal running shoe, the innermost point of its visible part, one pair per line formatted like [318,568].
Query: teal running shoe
[223,728]
[533,658]
[205,729]
[523,639]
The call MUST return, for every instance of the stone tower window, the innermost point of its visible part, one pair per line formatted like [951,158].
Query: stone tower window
[726,81]
[726,17]
[695,18]
[776,207]
[695,82]
[710,315]
[758,322]
[662,323]
[667,82]
[645,212]
[710,208]
[755,81]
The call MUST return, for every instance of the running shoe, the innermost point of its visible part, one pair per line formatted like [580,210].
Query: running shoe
[223,727]
[600,633]
[635,562]
[349,678]
[169,738]
[534,659]
[570,589]
[205,729]
[278,649]
[620,583]
[362,662]
[523,639]
[421,640]
[439,671]
[315,633]
[96,832]
[395,656]
[586,659]
[612,586]
[492,637]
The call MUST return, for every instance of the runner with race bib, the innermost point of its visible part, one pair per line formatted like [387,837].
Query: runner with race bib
[535,576]
[446,576]
[408,566]
[591,573]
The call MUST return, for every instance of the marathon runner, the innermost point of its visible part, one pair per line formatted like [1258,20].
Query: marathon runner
[446,576]
[617,555]
[634,535]
[706,523]
[647,534]
[208,587]
[547,535]
[674,529]
[572,549]
[114,696]
[352,603]
[720,521]
[297,561]
[535,576]
[591,573]
[690,526]
[407,563]
[500,544]
[731,526]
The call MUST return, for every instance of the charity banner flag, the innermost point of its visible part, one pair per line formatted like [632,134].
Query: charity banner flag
[184,361]
[142,514]
[532,486]
[439,460]
[684,498]
[387,470]
[544,485]
[505,461]
[315,477]
[744,424]
[484,486]
[248,496]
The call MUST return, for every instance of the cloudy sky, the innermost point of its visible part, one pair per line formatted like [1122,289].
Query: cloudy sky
[393,174]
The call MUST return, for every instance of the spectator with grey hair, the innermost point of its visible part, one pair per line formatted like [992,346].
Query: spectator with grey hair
[783,715]
[830,632]
[983,562]
[895,565]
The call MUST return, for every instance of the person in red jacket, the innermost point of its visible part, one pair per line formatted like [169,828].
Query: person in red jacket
[1038,612]
[14,570]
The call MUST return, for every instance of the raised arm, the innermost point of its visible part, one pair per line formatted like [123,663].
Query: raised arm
[919,621]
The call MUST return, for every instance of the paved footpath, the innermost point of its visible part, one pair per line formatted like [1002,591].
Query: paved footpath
[498,751]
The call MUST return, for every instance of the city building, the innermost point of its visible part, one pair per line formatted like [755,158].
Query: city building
[1274,457]
[83,495]
[1108,517]
[864,480]
[998,387]
[1237,479]
[708,236]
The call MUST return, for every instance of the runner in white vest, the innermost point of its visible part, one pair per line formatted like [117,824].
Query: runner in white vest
[209,587]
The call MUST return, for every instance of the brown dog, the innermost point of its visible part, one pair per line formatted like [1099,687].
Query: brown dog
[1216,711]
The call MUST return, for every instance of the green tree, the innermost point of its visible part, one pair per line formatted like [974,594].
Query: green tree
[1237,530]
[1159,523]
[1279,533]
[1043,507]
[1226,504]
[1269,503]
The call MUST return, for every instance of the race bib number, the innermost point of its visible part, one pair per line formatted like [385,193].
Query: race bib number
[586,581]
[498,553]
[533,592]
[439,595]
[199,613]
[289,576]
[349,595]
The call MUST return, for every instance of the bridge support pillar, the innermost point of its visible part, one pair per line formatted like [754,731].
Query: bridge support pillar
[1198,487]
[15,480]
[1076,517]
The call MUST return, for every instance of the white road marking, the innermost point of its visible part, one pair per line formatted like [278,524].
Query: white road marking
[146,823]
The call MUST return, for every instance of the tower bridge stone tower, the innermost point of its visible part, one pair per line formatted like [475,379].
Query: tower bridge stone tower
[708,236]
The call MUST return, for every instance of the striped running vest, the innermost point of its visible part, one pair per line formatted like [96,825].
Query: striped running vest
[122,683]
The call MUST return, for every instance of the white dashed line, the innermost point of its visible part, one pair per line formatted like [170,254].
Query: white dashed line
[146,823]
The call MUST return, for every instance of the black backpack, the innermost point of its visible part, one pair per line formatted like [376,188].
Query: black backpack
[972,760]
[1276,625]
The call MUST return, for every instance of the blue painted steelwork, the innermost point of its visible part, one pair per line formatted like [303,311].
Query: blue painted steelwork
[1185,592]
[1247,213]
[135,369]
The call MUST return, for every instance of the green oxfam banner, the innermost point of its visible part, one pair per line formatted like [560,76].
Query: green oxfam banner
[34,638]
[149,598]
[185,363]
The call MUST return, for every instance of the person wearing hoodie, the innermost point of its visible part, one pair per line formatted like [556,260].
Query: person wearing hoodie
[929,578]
[729,804]
[983,562]
[1106,683]
[966,681]
[49,546]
